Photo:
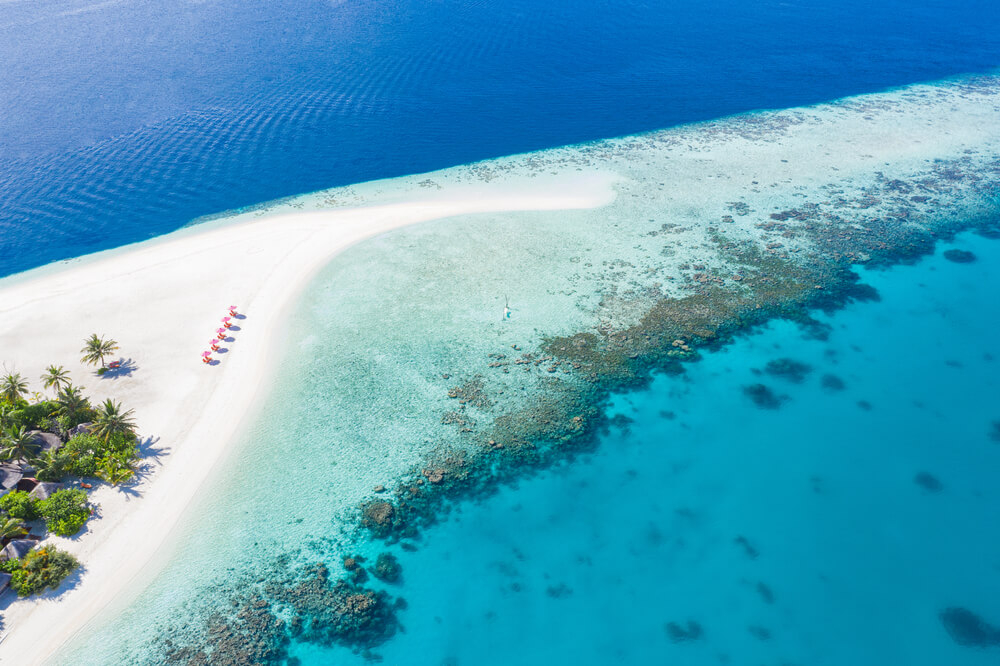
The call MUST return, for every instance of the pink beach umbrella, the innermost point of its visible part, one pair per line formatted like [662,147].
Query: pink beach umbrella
[206,357]
[214,344]
[232,310]
[225,322]
[221,333]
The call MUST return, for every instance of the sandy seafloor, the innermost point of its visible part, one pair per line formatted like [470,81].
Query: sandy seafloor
[590,562]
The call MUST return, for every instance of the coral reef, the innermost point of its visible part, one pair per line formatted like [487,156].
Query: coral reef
[968,629]
[959,256]
[788,369]
[681,633]
[762,396]
[387,568]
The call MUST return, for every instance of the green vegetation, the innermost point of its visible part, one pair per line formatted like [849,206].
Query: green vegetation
[13,387]
[113,459]
[11,528]
[111,420]
[65,511]
[41,569]
[16,444]
[57,377]
[18,505]
[104,445]
[73,407]
[33,416]
[95,349]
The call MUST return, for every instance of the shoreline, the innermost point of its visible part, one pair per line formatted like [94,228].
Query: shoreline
[157,298]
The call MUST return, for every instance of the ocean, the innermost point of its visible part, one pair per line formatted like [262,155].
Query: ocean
[121,121]
[812,483]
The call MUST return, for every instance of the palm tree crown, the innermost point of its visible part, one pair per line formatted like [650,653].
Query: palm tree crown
[95,349]
[17,444]
[13,386]
[71,401]
[115,471]
[11,528]
[55,376]
[111,420]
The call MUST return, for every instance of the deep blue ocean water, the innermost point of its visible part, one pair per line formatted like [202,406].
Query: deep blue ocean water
[124,120]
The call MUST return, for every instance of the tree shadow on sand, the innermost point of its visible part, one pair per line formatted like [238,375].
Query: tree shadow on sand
[124,368]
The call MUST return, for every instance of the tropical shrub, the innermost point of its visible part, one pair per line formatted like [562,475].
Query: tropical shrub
[10,566]
[42,568]
[89,455]
[115,468]
[11,528]
[113,459]
[34,416]
[17,443]
[19,505]
[54,465]
[65,512]
[82,452]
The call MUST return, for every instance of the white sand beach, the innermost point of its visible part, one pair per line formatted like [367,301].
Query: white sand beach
[162,301]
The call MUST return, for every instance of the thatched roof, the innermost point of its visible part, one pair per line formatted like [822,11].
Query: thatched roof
[16,549]
[45,441]
[44,489]
[9,476]
[79,429]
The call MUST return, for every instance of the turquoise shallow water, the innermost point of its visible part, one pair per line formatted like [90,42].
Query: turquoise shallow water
[588,563]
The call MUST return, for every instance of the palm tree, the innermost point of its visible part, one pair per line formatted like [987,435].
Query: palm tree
[51,466]
[111,420]
[11,528]
[95,349]
[55,376]
[114,471]
[13,386]
[17,444]
[71,401]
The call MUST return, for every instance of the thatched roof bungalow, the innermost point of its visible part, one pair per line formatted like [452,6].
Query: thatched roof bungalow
[80,429]
[45,489]
[16,549]
[10,476]
[45,441]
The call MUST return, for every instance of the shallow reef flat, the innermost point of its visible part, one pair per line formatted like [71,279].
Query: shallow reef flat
[407,390]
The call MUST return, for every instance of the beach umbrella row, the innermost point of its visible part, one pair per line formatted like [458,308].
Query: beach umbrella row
[220,335]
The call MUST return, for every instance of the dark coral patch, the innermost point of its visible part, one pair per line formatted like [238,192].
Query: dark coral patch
[762,396]
[748,547]
[959,256]
[968,629]
[788,369]
[680,633]
[928,482]
[831,383]
[387,568]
